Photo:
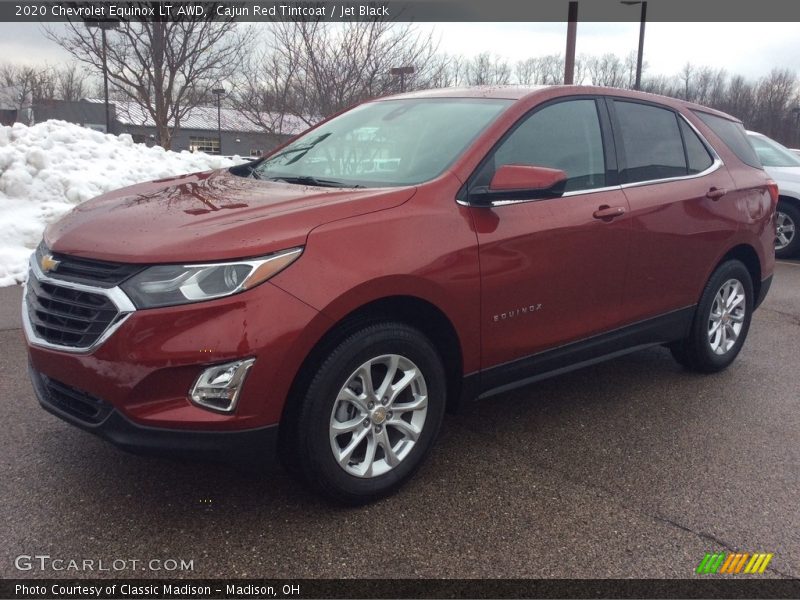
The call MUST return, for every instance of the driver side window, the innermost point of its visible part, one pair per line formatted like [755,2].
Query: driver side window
[565,136]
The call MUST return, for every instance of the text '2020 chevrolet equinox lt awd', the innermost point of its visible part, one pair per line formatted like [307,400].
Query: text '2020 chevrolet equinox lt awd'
[329,301]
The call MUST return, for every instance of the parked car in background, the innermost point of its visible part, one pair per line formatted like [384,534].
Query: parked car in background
[795,150]
[784,167]
[330,300]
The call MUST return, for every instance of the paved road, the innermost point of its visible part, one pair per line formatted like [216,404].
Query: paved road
[633,468]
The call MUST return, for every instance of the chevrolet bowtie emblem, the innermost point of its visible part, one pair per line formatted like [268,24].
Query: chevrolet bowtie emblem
[48,263]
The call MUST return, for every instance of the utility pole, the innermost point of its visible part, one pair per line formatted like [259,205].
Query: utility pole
[640,54]
[218,92]
[572,30]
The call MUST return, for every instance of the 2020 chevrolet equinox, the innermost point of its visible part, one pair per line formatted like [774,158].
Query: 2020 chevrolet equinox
[329,301]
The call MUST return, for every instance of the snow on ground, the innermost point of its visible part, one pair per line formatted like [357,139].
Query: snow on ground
[47,169]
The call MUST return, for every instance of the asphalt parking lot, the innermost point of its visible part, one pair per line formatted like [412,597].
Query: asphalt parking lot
[633,468]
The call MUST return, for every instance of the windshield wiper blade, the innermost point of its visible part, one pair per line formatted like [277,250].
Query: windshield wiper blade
[308,180]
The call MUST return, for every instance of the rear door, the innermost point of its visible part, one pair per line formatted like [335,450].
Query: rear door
[680,213]
[553,269]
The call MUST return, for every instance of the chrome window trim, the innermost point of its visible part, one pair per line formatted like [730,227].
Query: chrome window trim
[715,158]
[117,297]
[716,164]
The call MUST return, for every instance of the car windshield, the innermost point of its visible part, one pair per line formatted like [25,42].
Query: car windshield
[383,144]
[772,154]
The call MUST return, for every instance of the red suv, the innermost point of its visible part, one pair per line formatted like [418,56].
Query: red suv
[331,300]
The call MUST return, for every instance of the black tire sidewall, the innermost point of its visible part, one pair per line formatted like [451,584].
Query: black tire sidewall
[733,269]
[319,464]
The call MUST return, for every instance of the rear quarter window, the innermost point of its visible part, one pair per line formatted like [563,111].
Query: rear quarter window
[733,135]
[697,155]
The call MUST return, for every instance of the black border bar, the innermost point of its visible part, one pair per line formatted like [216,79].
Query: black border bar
[708,587]
[708,11]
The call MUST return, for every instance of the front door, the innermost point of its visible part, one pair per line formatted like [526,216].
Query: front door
[553,269]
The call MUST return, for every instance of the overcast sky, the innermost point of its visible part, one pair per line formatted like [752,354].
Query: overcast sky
[750,49]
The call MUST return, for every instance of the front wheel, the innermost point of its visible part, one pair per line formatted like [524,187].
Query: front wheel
[370,414]
[721,321]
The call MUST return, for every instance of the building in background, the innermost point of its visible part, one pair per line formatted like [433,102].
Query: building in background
[83,113]
[197,131]
[8,105]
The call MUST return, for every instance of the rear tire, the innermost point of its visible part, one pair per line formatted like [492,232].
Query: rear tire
[787,240]
[721,321]
[369,415]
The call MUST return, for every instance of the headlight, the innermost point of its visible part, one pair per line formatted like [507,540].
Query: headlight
[167,285]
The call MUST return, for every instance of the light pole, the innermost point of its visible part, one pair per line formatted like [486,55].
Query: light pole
[402,72]
[796,113]
[642,21]
[572,31]
[103,26]
[218,93]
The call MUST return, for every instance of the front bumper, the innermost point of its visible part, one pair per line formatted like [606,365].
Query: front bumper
[102,419]
[146,369]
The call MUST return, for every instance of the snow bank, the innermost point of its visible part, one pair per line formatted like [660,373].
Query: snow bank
[47,169]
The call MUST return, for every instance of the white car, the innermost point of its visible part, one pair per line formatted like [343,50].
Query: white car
[784,167]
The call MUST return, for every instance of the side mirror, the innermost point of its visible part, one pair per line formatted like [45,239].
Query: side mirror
[520,182]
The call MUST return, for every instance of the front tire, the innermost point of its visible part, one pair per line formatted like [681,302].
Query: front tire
[369,415]
[721,321]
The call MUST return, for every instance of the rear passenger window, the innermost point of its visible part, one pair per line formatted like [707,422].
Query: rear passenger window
[565,136]
[734,136]
[696,152]
[652,142]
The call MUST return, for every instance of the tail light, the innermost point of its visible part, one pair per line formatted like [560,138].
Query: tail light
[773,192]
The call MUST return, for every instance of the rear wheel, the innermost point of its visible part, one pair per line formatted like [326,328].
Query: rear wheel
[721,321]
[787,219]
[370,414]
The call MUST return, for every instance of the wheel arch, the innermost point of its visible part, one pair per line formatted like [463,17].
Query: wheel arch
[793,200]
[746,254]
[410,310]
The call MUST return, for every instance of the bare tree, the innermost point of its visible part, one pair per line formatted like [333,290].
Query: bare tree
[71,83]
[485,69]
[686,77]
[26,85]
[607,70]
[547,70]
[164,67]
[776,95]
[312,69]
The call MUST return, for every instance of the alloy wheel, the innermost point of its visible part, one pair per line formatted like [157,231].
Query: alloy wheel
[378,416]
[727,316]
[785,230]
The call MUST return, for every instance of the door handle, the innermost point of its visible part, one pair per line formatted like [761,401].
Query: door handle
[716,193]
[607,213]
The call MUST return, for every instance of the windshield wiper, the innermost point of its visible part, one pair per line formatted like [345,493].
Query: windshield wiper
[308,180]
[302,150]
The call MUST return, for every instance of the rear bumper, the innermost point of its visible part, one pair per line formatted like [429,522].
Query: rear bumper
[102,419]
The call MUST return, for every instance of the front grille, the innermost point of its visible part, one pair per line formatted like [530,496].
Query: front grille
[74,402]
[88,271]
[65,316]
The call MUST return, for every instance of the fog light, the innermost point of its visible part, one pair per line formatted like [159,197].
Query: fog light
[218,387]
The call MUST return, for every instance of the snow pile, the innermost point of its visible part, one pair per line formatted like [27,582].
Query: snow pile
[47,169]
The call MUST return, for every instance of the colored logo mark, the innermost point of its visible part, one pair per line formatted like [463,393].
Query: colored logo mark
[736,563]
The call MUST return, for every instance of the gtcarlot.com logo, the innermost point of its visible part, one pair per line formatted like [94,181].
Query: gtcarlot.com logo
[45,562]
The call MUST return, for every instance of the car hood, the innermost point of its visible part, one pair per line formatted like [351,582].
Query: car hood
[207,217]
